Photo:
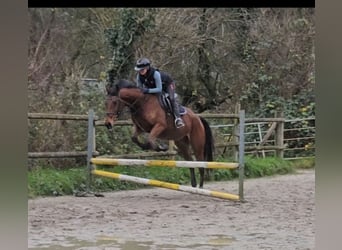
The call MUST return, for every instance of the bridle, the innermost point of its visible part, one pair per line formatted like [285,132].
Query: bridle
[131,106]
[116,114]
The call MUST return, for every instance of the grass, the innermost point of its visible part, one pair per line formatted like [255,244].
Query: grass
[51,182]
[304,163]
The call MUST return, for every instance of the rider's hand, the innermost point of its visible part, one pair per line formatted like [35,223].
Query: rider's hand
[145,90]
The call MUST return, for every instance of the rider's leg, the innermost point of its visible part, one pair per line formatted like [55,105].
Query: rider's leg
[178,120]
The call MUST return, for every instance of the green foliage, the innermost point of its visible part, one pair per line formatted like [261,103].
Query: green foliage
[299,106]
[303,163]
[116,141]
[52,182]
[259,167]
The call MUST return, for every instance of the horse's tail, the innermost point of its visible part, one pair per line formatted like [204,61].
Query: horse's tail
[209,141]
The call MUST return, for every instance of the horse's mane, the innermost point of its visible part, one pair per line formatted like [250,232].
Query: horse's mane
[114,88]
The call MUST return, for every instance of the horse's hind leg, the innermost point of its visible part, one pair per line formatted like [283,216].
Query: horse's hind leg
[184,151]
[197,144]
[201,171]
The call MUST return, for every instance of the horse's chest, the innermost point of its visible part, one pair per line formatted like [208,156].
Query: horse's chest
[143,124]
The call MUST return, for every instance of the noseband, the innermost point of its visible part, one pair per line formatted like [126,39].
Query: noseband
[113,113]
[116,114]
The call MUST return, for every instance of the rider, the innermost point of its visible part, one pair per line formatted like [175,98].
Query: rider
[153,81]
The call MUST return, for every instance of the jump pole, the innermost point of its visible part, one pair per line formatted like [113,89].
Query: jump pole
[167,185]
[163,163]
[240,165]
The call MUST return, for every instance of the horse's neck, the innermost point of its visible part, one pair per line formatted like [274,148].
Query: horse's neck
[132,97]
[129,94]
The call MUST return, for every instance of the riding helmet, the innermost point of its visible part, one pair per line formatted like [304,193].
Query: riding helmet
[142,63]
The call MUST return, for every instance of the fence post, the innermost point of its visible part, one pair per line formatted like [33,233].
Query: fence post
[235,133]
[241,152]
[91,146]
[279,138]
[171,146]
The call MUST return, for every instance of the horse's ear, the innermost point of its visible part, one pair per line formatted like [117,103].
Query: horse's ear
[108,88]
[112,89]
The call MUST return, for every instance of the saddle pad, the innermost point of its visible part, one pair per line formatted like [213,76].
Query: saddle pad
[166,105]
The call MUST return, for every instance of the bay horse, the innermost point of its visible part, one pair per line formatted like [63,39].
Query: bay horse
[148,116]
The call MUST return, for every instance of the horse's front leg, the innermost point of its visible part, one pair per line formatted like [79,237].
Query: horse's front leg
[152,137]
[136,132]
[201,171]
[151,143]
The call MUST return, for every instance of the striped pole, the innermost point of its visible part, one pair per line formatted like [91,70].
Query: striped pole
[167,185]
[164,163]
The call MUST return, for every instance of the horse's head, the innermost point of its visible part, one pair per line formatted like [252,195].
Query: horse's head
[113,105]
[122,93]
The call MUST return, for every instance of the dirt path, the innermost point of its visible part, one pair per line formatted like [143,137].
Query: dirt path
[279,214]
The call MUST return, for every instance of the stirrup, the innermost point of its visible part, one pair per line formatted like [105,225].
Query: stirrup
[179,123]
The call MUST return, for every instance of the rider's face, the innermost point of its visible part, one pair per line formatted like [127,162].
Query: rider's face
[143,71]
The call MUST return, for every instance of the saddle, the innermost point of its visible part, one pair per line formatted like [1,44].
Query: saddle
[165,103]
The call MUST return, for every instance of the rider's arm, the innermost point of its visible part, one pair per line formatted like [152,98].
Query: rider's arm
[157,79]
[139,83]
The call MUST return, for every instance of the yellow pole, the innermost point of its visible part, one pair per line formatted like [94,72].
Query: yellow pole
[167,185]
[164,163]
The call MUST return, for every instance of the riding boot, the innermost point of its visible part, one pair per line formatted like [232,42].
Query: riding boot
[178,120]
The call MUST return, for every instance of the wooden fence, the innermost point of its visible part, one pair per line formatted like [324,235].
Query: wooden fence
[64,117]
[228,141]
[298,138]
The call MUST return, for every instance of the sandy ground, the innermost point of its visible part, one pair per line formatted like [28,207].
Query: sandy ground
[279,213]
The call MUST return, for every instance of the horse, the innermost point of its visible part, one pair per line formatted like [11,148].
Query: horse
[148,116]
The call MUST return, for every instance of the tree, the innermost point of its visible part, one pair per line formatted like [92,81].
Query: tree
[133,24]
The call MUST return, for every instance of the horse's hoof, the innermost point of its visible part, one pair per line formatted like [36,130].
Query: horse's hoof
[136,141]
[162,148]
[146,146]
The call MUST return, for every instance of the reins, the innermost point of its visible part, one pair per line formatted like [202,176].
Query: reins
[132,106]
[133,109]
